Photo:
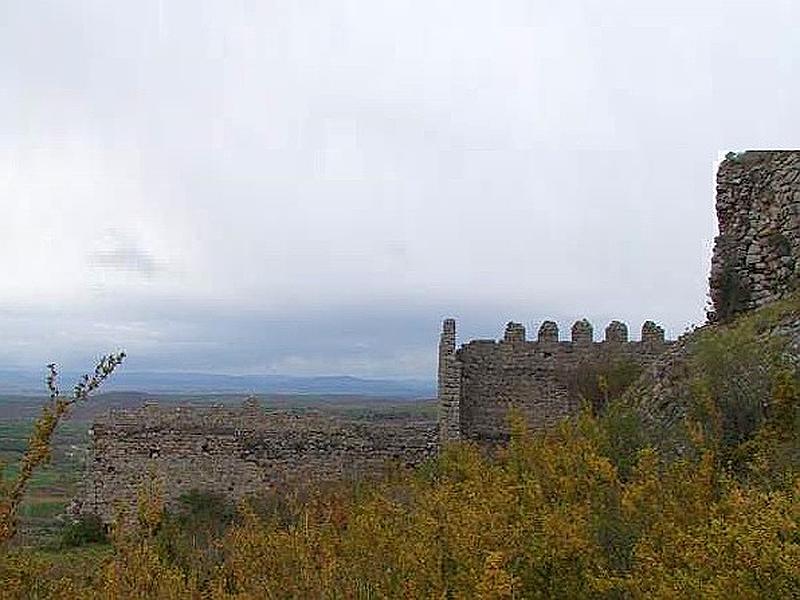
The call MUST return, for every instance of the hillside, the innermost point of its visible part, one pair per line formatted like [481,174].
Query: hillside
[736,367]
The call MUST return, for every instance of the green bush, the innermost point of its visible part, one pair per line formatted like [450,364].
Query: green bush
[746,390]
[734,295]
[622,437]
[87,529]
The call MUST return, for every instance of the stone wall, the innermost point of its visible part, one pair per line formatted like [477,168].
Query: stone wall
[236,451]
[756,253]
[480,381]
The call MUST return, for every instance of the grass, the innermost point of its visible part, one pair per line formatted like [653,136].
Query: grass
[42,508]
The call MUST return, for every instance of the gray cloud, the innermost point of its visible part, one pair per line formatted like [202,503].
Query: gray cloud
[118,253]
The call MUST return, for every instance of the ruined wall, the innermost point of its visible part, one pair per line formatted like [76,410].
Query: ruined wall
[236,451]
[756,253]
[486,378]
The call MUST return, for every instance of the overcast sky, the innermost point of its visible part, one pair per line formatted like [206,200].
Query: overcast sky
[309,187]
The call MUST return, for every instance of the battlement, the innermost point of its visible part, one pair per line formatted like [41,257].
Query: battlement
[581,334]
[480,380]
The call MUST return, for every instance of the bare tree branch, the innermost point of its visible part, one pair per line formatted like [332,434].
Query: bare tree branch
[38,450]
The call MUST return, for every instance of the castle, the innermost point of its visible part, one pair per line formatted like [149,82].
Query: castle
[237,451]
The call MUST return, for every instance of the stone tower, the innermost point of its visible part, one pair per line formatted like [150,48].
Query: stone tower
[449,384]
[756,253]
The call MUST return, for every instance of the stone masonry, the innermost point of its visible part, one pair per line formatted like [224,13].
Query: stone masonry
[756,253]
[236,451]
[480,381]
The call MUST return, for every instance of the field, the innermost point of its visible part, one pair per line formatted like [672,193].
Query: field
[52,488]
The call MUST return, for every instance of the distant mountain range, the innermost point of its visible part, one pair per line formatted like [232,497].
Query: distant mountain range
[26,382]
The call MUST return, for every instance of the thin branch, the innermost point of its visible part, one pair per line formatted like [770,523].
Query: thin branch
[39,444]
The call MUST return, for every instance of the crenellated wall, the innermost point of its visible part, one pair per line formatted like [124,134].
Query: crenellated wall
[756,253]
[480,381]
[236,451]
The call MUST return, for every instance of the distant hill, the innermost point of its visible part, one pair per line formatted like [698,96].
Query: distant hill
[15,407]
[32,383]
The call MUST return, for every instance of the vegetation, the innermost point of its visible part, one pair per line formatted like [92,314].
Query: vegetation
[590,509]
[39,448]
[599,383]
[52,486]
[86,529]
[734,296]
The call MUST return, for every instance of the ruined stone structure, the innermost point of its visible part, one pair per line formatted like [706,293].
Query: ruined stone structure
[236,451]
[756,261]
[480,381]
[756,253]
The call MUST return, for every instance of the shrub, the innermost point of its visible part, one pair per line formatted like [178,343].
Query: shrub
[599,384]
[744,378]
[734,295]
[86,529]
[622,437]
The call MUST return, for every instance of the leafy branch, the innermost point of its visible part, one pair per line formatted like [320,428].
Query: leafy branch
[39,448]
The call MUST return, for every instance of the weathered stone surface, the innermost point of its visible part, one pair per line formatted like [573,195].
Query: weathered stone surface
[237,451]
[617,332]
[756,253]
[652,333]
[663,392]
[480,381]
[582,332]
[548,332]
